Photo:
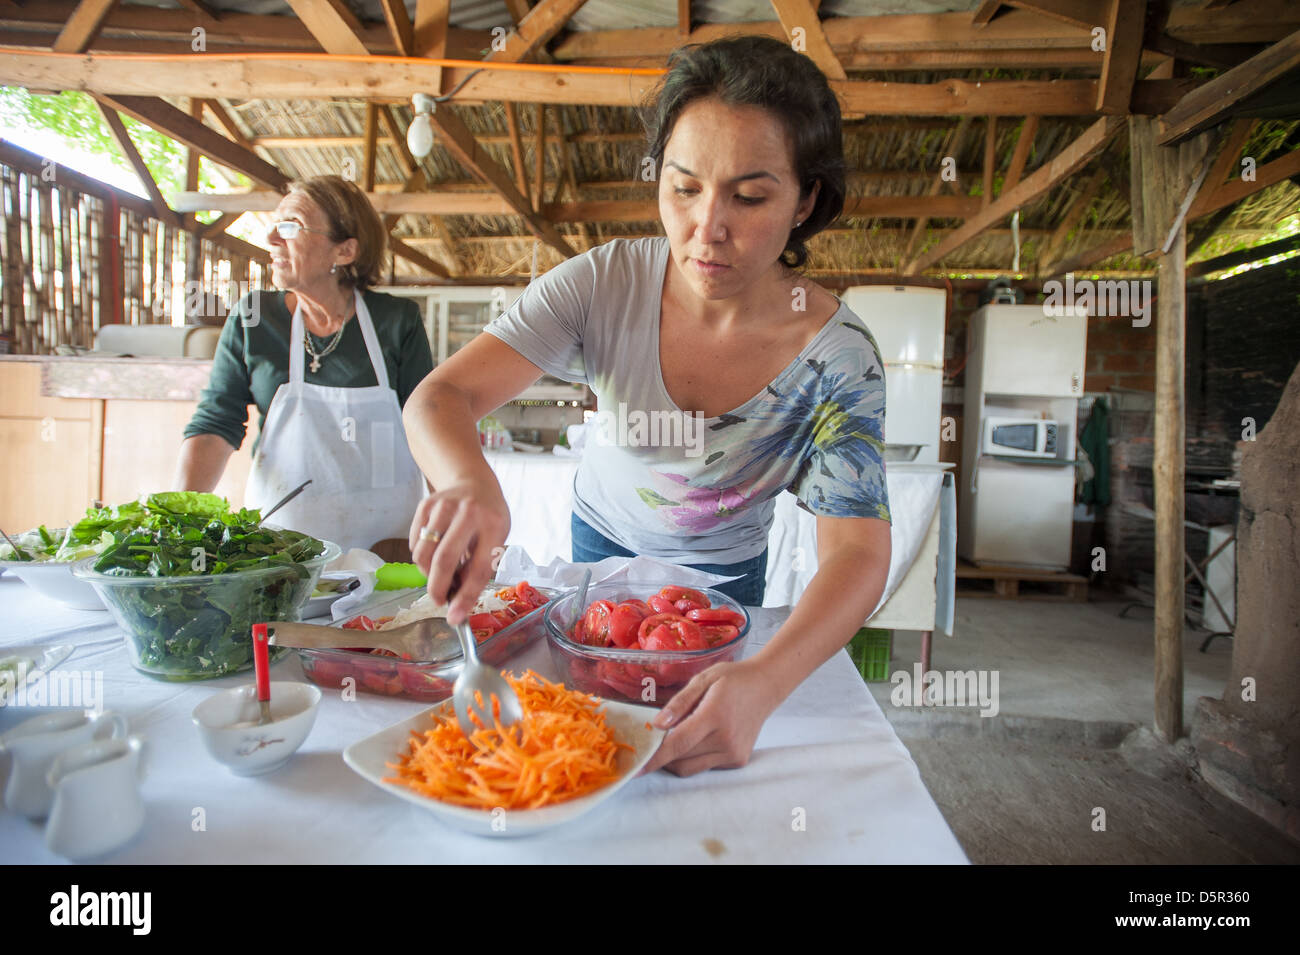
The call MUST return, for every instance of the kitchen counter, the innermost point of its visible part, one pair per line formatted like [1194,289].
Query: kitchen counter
[110,376]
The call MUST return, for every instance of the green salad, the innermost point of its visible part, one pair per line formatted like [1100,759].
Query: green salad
[201,627]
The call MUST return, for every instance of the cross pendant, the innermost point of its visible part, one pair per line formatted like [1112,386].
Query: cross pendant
[315,365]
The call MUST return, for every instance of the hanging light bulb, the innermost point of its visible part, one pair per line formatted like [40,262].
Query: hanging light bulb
[419,135]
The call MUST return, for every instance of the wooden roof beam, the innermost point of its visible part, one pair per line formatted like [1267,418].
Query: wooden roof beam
[124,142]
[419,258]
[1073,216]
[83,26]
[985,12]
[1073,157]
[399,25]
[191,132]
[1119,66]
[536,29]
[1214,101]
[803,28]
[458,139]
[592,210]
[1084,14]
[1020,155]
[299,76]
[328,21]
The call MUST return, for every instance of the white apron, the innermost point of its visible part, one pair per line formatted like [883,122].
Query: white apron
[349,441]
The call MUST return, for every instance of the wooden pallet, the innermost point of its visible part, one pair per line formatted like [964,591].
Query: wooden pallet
[1015,582]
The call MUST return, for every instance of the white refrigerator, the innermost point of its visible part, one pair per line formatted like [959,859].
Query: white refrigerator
[1024,378]
[907,323]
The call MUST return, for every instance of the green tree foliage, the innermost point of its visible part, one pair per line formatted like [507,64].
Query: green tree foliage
[75,117]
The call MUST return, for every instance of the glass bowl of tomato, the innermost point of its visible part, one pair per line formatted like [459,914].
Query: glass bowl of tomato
[380,672]
[642,642]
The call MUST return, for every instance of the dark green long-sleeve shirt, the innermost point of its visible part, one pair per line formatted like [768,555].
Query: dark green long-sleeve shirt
[252,360]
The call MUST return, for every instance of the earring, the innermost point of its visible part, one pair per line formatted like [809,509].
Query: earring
[798,224]
[333,268]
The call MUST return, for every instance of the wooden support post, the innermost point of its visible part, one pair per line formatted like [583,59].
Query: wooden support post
[1160,179]
[1168,471]
[540,157]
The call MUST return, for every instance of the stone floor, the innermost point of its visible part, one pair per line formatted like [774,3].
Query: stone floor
[1068,770]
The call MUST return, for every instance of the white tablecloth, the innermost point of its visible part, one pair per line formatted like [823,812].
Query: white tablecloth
[827,751]
[539,491]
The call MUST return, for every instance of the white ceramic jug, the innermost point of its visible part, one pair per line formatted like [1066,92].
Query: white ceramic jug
[97,805]
[35,743]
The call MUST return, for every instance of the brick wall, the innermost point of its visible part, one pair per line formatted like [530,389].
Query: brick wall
[1119,356]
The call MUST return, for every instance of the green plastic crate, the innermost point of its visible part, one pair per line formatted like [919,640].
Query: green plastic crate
[871,650]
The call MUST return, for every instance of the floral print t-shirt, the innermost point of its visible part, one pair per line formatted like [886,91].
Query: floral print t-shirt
[678,486]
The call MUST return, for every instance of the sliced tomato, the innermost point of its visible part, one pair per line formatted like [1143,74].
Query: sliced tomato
[624,678]
[528,594]
[667,631]
[685,606]
[360,623]
[596,623]
[675,594]
[484,621]
[640,606]
[624,623]
[716,615]
[661,604]
[716,634]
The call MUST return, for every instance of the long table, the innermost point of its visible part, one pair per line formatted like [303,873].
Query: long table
[829,780]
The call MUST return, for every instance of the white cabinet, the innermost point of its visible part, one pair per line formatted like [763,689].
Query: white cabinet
[453,315]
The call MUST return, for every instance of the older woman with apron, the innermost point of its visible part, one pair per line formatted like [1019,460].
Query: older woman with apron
[330,389]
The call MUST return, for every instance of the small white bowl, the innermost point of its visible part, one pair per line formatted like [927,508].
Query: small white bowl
[227,722]
[54,579]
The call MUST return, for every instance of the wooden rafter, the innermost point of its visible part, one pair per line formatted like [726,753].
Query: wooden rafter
[328,21]
[399,25]
[192,162]
[533,31]
[985,12]
[1119,65]
[132,155]
[300,76]
[516,147]
[597,210]
[1020,155]
[458,139]
[419,258]
[1228,194]
[518,9]
[1084,14]
[684,17]
[368,149]
[1215,100]
[1074,156]
[429,35]
[1224,163]
[227,123]
[202,9]
[188,131]
[539,156]
[83,26]
[799,15]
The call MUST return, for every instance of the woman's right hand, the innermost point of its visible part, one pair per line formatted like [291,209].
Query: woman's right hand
[470,522]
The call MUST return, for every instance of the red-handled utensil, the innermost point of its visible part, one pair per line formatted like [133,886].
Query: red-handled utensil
[262,668]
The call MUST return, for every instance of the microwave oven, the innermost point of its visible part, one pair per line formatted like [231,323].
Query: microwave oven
[1026,438]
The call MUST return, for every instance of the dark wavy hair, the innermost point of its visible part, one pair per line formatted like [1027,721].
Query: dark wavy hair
[761,71]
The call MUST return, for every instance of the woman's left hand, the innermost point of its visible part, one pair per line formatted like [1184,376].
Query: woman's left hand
[714,720]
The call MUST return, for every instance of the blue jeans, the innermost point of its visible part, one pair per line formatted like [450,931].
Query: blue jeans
[590,545]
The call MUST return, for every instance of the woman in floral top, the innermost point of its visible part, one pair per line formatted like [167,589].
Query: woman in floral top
[722,376]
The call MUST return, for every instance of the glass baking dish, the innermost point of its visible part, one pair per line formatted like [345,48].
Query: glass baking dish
[426,682]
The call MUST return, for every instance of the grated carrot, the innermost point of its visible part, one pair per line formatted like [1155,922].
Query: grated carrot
[562,749]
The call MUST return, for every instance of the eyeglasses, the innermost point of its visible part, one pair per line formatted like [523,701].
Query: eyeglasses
[289,229]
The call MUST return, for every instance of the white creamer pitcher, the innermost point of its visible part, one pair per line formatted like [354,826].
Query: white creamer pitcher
[35,743]
[97,805]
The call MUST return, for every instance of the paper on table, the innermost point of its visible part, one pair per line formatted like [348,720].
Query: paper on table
[363,563]
[516,565]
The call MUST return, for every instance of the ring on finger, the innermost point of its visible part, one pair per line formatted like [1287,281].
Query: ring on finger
[431,536]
